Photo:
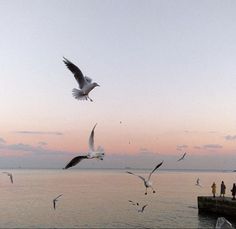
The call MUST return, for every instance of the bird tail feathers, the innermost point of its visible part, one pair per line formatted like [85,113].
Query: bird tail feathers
[78,94]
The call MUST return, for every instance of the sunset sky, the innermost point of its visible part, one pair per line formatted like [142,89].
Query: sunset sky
[167,73]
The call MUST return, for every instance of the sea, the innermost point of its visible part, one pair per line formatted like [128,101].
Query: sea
[100,198]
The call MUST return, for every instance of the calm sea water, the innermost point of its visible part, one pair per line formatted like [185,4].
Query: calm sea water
[99,199]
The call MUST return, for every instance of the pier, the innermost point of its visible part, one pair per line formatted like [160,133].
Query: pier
[222,206]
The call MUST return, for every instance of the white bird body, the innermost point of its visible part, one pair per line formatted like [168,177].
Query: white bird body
[97,154]
[147,182]
[85,83]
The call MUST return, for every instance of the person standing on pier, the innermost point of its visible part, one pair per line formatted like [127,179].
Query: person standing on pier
[213,187]
[222,189]
[233,190]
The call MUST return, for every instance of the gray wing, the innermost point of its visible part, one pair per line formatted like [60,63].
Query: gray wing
[182,157]
[144,207]
[76,71]
[142,178]
[75,161]
[91,139]
[58,196]
[155,170]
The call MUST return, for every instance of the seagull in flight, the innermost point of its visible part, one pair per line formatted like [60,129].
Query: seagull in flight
[147,182]
[10,175]
[85,83]
[99,153]
[55,200]
[142,209]
[182,157]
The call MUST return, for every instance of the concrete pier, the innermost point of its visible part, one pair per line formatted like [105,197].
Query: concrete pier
[218,205]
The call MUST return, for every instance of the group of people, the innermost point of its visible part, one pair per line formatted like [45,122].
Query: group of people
[222,190]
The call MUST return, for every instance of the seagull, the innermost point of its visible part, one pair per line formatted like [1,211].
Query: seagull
[55,200]
[142,209]
[85,83]
[10,175]
[198,182]
[147,183]
[182,157]
[99,153]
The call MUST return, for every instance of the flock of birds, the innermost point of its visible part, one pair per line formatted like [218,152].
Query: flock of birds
[85,86]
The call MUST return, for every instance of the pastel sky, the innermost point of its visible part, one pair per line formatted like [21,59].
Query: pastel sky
[166,68]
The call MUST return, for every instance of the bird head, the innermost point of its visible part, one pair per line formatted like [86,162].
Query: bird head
[96,85]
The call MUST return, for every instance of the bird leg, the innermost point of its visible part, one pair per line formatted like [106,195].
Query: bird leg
[90,99]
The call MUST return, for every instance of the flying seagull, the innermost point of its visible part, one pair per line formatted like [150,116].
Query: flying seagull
[147,183]
[85,83]
[182,157]
[55,200]
[142,209]
[10,175]
[99,153]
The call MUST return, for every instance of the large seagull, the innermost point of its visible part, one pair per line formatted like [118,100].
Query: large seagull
[85,83]
[99,153]
[147,182]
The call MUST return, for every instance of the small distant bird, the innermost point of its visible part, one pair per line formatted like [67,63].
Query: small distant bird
[10,175]
[55,200]
[147,183]
[182,157]
[133,203]
[198,182]
[223,223]
[85,83]
[142,209]
[98,154]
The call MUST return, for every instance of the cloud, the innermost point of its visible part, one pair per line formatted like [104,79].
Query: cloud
[181,147]
[2,141]
[39,132]
[212,146]
[230,137]
[197,147]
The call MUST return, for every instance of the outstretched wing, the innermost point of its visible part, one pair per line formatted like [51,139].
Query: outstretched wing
[58,196]
[11,177]
[182,157]
[144,207]
[155,170]
[142,178]
[75,161]
[91,139]
[76,71]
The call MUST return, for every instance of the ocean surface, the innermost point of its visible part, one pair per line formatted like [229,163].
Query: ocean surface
[99,199]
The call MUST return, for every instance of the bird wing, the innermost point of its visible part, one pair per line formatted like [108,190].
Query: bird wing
[154,170]
[182,157]
[75,161]
[144,207]
[142,178]
[11,177]
[54,204]
[76,71]
[91,139]
[6,173]
[58,196]
[132,202]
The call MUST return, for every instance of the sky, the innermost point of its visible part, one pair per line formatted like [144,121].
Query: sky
[167,75]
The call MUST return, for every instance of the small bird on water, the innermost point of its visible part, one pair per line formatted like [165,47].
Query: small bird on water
[10,175]
[85,83]
[98,154]
[147,182]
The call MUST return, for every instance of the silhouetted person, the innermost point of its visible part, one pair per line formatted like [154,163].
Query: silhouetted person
[213,187]
[222,189]
[233,190]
